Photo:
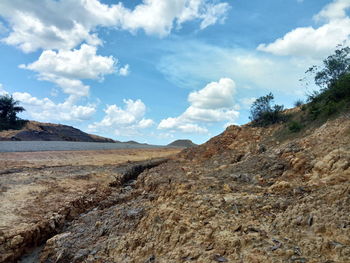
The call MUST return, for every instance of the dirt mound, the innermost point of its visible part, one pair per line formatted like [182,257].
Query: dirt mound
[36,131]
[182,143]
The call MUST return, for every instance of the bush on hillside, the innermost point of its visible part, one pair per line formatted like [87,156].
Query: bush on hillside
[295,126]
[262,113]
[298,103]
[334,82]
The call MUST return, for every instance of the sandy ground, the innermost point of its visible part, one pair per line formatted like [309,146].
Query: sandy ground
[16,160]
[36,185]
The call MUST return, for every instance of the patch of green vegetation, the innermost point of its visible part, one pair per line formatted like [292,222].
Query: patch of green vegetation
[295,126]
[332,99]
[262,113]
[298,103]
[334,82]
[9,108]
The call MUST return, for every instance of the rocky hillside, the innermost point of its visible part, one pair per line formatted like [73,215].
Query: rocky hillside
[37,131]
[182,143]
[246,195]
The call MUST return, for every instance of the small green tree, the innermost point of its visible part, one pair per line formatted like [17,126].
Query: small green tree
[334,82]
[9,108]
[262,113]
[334,67]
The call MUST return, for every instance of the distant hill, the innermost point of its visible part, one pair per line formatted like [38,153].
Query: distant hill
[37,131]
[132,142]
[182,143]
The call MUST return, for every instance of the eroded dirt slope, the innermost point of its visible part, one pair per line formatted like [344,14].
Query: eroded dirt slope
[241,197]
[41,191]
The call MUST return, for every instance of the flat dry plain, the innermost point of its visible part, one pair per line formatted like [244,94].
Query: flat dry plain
[36,186]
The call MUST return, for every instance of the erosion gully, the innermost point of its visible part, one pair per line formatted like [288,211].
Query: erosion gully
[32,246]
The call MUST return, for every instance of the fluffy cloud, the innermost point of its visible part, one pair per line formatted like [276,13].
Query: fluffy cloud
[30,34]
[67,67]
[212,104]
[175,124]
[124,121]
[65,24]
[335,10]
[73,87]
[214,95]
[41,25]
[50,24]
[124,71]
[315,42]
[46,110]
[80,63]
[157,16]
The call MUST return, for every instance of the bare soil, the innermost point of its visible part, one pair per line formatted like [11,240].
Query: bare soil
[243,196]
[41,190]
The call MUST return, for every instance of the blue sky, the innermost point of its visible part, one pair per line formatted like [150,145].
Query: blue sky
[155,70]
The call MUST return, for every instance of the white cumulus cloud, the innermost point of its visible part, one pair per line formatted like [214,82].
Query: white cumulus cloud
[126,121]
[335,10]
[157,17]
[66,67]
[80,63]
[46,110]
[214,95]
[315,42]
[65,24]
[176,124]
[59,27]
[212,104]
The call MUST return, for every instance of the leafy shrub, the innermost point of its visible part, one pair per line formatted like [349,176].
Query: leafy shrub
[294,126]
[298,103]
[262,113]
